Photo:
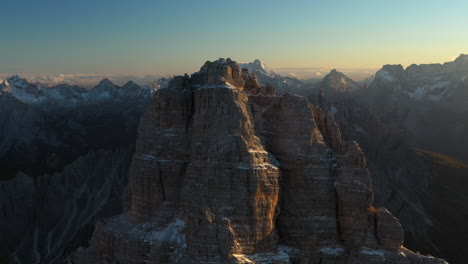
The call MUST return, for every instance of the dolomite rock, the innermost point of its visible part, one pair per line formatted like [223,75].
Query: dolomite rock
[227,171]
[389,231]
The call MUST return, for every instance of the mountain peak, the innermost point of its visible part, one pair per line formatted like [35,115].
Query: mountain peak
[257,66]
[462,62]
[211,136]
[260,64]
[130,85]
[390,73]
[338,76]
[337,82]
[106,81]
[105,84]
[462,57]
[334,73]
[16,79]
[222,72]
[160,83]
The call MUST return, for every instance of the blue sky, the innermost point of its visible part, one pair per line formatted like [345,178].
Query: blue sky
[117,36]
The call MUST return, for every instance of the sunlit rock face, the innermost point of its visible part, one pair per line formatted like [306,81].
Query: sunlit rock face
[228,171]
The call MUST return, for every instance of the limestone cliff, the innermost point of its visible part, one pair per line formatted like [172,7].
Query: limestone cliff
[228,171]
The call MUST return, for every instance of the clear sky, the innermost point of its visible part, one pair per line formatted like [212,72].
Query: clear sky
[172,37]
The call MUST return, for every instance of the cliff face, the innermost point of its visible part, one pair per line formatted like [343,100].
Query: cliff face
[228,171]
[400,178]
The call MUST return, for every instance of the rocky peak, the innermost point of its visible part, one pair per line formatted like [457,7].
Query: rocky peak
[337,83]
[180,83]
[222,72]
[257,66]
[207,174]
[23,90]
[462,63]
[160,83]
[131,86]
[260,66]
[335,75]
[17,82]
[5,87]
[390,74]
[105,89]
[16,79]
[105,83]
[462,57]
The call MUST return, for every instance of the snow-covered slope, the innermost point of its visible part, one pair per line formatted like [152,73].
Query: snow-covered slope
[26,92]
[441,83]
[427,103]
[268,77]
[160,83]
[65,95]
[257,67]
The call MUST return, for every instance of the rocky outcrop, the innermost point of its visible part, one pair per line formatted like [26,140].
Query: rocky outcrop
[400,178]
[226,173]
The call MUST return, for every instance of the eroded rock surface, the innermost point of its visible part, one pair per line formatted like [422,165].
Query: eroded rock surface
[227,171]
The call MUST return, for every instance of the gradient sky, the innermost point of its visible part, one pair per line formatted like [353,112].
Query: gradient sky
[172,37]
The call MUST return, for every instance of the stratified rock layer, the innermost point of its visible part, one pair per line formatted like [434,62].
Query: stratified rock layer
[227,171]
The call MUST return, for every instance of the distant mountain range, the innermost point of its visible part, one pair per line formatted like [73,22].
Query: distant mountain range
[84,80]
[65,95]
[64,157]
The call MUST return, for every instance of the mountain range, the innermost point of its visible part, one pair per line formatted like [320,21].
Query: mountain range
[64,157]
[227,170]
[69,150]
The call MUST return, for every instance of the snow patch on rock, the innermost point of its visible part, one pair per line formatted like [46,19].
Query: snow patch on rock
[172,233]
[332,251]
[333,110]
[374,252]
[283,255]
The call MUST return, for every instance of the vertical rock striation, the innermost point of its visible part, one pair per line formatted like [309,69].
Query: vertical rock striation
[227,171]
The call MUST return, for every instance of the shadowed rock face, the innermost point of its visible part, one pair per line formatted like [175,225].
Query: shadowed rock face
[62,167]
[228,171]
[421,98]
[40,217]
[399,177]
